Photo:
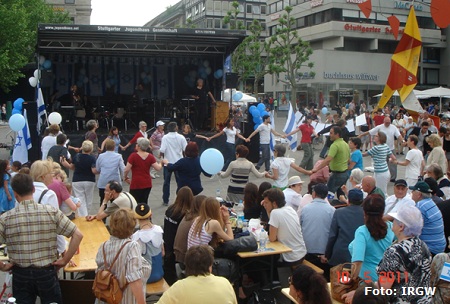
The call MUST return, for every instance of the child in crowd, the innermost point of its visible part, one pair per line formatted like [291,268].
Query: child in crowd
[15,168]
[150,236]
[6,194]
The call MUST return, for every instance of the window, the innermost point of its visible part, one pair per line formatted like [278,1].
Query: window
[301,22]
[209,23]
[225,6]
[216,23]
[431,76]
[69,1]
[249,9]
[263,9]
[217,5]
[279,6]
[272,8]
[431,55]
[256,9]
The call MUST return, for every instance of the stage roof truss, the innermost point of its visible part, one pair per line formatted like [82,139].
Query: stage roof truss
[136,41]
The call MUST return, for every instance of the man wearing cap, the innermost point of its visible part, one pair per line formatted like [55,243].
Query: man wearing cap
[155,141]
[369,185]
[342,229]
[398,199]
[264,131]
[284,226]
[114,200]
[306,142]
[293,193]
[433,225]
[316,220]
[337,159]
[172,149]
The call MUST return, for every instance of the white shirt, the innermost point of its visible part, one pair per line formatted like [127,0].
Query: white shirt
[289,232]
[415,158]
[264,133]
[47,142]
[405,201]
[49,199]
[231,134]
[173,145]
[283,165]
[390,132]
[292,198]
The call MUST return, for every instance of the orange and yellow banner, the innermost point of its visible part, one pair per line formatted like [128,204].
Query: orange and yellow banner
[404,62]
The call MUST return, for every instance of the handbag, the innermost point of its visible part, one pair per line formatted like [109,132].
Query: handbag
[340,280]
[232,247]
[225,268]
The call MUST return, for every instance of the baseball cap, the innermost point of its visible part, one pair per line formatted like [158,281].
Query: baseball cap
[293,180]
[422,187]
[409,215]
[400,182]
[355,195]
[142,211]
[160,123]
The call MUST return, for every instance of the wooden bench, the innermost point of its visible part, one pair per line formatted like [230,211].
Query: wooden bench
[309,264]
[156,288]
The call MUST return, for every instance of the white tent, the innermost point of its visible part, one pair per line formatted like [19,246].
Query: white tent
[419,94]
[244,100]
[438,92]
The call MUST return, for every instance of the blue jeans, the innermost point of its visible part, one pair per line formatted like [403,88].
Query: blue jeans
[265,157]
[30,282]
[230,155]
[336,180]
[166,185]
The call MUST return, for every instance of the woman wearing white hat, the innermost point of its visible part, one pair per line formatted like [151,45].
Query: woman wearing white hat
[293,193]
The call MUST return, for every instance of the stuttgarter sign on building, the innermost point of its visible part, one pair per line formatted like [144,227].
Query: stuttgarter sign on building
[369,29]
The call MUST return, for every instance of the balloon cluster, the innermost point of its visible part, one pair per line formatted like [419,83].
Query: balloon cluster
[145,75]
[45,64]
[17,121]
[258,113]
[35,78]
[211,161]
[82,78]
[218,74]
[203,71]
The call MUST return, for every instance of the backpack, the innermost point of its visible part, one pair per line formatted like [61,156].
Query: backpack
[106,286]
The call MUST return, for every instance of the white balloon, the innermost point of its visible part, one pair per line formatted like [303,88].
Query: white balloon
[33,81]
[54,118]
[41,60]
[37,74]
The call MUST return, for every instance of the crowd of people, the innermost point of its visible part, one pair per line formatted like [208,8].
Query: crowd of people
[344,216]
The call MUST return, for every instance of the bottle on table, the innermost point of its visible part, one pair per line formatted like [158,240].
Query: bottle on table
[240,214]
[263,240]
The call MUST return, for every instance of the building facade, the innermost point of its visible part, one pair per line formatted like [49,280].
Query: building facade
[352,53]
[79,10]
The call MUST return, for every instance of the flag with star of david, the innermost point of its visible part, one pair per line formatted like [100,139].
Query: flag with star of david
[23,143]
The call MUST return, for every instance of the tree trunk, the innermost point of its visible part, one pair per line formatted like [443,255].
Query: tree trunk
[294,97]
[255,87]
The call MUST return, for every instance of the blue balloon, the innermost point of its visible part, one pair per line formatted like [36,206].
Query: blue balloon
[18,104]
[251,109]
[260,120]
[16,122]
[264,113]
[261,107]
[324,110]
[256,119]
[15,111]
[211,161]
[256,113]
[47,64]
[237,96]
[219,73]
[255,127]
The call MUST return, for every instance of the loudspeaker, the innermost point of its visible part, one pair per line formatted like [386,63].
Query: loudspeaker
[231,80]
[35,152]
[253,145]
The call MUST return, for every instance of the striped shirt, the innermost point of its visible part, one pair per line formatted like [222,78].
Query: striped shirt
[379,154]
[195,239]
[30,230]
[239,170]
[433,226]
[129,267]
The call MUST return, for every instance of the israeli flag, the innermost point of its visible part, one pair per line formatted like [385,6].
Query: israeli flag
[41,109]
[292,122]
[23,143]
[272,137]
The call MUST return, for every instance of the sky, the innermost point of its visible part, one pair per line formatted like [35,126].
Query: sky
[127,12]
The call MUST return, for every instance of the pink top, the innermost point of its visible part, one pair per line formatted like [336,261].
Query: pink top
[60,189]
[322,175]
[140,171]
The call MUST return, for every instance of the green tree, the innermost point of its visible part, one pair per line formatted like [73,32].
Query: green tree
[19,20]
[288,53]
[231,17]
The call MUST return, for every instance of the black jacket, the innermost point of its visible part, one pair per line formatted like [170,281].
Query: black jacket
[426,147]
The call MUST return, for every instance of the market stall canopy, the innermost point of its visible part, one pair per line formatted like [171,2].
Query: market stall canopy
[242,102]
[440,92]
[419,94]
